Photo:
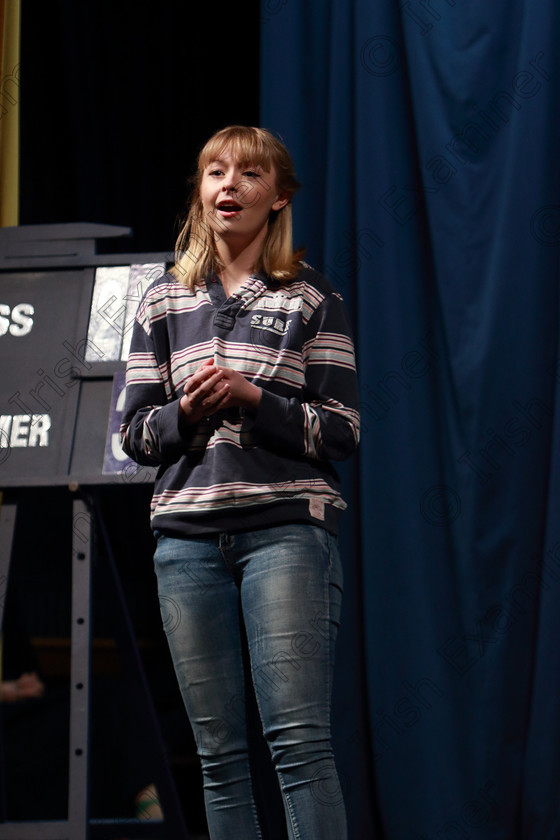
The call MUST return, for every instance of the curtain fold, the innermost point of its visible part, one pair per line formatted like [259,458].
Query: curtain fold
[9,112]
[426,138]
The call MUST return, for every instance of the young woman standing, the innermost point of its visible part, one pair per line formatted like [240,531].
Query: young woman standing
[241,387]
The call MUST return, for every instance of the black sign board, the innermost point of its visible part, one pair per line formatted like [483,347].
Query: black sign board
[66,315]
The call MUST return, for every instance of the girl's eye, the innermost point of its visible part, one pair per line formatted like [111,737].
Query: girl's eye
[215,172]
[251,173]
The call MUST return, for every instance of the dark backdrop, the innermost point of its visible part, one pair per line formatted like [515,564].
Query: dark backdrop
[116,101]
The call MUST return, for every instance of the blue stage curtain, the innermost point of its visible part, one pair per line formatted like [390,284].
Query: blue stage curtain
[426,135]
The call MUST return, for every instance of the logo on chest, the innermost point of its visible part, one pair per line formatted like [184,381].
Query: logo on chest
[270,323]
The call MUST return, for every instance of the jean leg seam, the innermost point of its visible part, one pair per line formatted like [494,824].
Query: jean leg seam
[291,812]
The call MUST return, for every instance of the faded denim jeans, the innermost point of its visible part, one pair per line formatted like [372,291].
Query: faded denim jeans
[282,587]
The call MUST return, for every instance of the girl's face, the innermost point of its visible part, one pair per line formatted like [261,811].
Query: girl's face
[237,199]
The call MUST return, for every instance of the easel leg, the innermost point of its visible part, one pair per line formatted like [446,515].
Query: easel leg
[7,528]
[82,535]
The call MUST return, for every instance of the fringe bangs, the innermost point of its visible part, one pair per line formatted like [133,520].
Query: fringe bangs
[196,255]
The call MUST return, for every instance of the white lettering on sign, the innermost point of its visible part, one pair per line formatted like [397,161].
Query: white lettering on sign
[16,321]
[18,430]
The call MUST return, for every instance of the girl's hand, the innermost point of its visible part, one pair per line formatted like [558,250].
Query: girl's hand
[212,388]
[205,393]
[242,393]
[26,686]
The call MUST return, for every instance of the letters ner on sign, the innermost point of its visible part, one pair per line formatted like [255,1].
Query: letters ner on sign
[64,336]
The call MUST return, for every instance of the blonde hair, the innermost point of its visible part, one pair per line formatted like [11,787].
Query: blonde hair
[196,255]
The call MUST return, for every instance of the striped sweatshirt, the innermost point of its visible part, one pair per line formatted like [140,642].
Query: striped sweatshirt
[238,470]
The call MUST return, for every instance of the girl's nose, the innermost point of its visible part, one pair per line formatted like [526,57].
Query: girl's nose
[230,181]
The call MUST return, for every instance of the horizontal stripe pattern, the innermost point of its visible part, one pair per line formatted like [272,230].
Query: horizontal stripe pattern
[330,349]
[292,341]
[170,298]
[240,494]
[266,364]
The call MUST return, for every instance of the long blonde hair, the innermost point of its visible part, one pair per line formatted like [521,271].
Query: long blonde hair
[196,255]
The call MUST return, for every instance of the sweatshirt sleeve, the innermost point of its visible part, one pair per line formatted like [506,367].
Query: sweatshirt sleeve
[152,430]
[325,422]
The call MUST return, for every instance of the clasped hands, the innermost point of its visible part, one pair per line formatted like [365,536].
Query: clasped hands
[212,388]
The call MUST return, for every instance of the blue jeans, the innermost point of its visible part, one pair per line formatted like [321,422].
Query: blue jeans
[282,588]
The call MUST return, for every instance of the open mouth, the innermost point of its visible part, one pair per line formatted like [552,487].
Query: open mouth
[229,208]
